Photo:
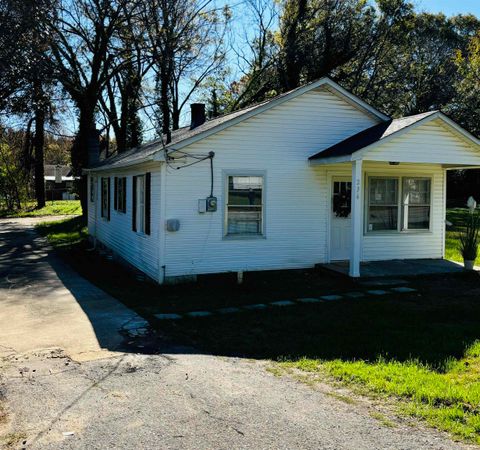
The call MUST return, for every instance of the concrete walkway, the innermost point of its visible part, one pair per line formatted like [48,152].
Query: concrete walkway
[44,303]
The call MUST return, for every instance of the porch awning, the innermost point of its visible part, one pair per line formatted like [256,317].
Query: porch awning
[359,146]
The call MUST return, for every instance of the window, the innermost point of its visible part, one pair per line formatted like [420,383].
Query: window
[342,198]
[244,210]
[416,203]
[105,211]
[92,189]
[383,204]
[390,209]
[120,197]
[141,204]
[141,199]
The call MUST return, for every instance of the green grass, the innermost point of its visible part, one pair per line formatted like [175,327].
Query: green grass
[448,399]
[64,234]
[55,208]
[420,350]
[452,251]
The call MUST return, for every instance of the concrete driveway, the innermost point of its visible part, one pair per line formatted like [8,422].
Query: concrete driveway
[71,380]
[44,303]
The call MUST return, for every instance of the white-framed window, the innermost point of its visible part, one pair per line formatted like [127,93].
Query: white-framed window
[141,203]
[398,203]
[92,189]
[105,210]
[120,194]
[140,210]
[244,205]
[383,204]
[416,203]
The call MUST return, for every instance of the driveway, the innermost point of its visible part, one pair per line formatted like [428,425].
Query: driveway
[46,304]
[71,378]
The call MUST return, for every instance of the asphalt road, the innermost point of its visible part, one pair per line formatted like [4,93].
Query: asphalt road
[146,393]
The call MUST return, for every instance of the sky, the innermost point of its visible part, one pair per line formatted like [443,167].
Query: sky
[450,7]
[447,7]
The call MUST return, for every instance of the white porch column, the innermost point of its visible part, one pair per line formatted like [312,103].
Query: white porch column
[357,218]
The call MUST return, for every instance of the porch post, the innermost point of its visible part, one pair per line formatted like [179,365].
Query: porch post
[357,218]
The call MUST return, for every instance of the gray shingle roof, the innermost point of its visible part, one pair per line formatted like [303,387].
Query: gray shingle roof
[147,150]
[185,136]
[369,136]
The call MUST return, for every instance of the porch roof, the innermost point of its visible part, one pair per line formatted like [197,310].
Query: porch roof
[369,136]
[357,146]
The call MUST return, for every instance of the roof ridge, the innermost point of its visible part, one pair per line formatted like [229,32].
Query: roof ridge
[424,114]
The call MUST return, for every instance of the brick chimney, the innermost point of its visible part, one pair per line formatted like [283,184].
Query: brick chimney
[198,115]
[93,148]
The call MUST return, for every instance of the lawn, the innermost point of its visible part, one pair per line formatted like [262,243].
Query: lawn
[457,217]
[420,351]
[67,234]
[55,208]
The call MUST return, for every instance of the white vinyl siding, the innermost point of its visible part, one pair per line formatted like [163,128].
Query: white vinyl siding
[430,143]
[140,250]
[277,142]
[296,197]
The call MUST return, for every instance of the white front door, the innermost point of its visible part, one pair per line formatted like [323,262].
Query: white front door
[341,222]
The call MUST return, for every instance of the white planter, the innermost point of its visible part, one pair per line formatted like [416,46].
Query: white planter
[468,264]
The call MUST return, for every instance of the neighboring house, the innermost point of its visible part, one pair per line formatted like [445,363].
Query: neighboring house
[58,182]
[312,176]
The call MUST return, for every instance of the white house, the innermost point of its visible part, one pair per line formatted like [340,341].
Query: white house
[58,182]
[313,176]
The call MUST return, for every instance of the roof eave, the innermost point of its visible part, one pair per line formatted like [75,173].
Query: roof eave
[322,161]
[157,156]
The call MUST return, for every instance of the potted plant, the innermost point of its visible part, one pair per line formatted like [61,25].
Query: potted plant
[469,240]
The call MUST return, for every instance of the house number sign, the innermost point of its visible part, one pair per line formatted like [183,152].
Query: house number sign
[357,189]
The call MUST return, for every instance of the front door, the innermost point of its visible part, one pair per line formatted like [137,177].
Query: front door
[341,222]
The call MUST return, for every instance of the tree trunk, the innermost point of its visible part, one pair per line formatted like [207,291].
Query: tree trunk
[80,151]
[164,106]
[293,46]
[39,143]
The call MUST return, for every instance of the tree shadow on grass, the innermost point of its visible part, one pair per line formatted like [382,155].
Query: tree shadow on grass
[433,325]
[400,328]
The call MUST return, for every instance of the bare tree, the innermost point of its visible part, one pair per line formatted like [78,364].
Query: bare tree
[256,54]
[121,101]
[84,50]
[186,45]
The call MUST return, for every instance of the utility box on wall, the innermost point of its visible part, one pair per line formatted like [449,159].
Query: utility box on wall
[173,225]
[202,205]
[211,204]
[208,204]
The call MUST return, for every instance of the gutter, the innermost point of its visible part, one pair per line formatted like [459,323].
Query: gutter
[154,157]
